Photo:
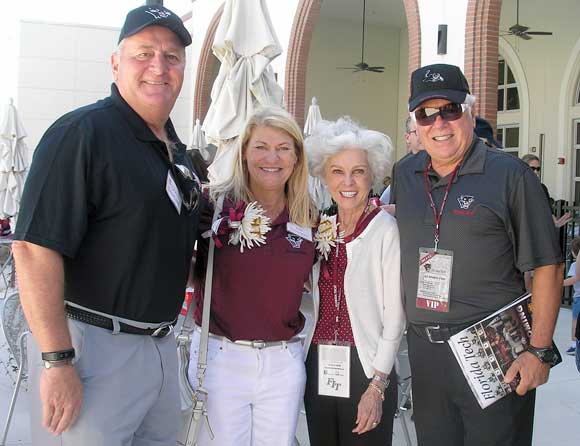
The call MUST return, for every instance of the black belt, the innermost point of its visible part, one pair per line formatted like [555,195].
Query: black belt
[438,334]
[107,323]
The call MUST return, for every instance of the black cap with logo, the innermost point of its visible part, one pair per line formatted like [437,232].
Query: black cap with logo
[144,16]
[437,81]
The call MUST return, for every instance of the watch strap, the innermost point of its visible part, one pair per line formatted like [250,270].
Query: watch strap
[60,355]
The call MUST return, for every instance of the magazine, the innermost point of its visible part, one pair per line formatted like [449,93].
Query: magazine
[486,350]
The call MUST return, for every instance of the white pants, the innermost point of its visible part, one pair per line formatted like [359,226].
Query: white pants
[254,395]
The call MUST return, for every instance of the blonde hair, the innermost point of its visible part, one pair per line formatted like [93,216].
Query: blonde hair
[301,207]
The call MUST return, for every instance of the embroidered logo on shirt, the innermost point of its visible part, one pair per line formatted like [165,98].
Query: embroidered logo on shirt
[465,201]
[433,77]
[294,240]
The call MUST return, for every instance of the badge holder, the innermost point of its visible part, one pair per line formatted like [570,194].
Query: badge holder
[334,369]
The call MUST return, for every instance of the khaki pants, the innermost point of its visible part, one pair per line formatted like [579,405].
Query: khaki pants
[131,394]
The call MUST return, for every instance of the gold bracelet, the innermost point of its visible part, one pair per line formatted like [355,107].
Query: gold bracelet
[378,390]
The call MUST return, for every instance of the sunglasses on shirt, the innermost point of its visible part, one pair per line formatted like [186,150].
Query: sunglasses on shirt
[187,185]
[449,112]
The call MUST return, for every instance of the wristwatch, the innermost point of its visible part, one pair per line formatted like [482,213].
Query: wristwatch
[548,355]
[59,358]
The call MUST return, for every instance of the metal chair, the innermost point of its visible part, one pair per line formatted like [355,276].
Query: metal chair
[15,330]
[404,381]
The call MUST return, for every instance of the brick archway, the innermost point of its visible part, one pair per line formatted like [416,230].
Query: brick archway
[205,67]
[481,53]
[305,20]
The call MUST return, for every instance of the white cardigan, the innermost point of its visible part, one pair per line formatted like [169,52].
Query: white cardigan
[372,287]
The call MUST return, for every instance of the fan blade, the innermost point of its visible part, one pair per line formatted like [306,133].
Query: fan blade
[375,70]
[540,33]
[345,68]
[518,29]
[524,36]
[356,71]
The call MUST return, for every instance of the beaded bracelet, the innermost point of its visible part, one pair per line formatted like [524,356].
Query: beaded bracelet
[378,390]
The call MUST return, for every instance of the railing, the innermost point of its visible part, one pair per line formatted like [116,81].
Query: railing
[566,233]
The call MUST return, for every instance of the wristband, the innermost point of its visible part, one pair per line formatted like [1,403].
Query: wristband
[61,355]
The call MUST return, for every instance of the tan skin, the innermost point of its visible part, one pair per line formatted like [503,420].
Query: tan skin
[348,179]
[270,157]
[446,142]
[148,70]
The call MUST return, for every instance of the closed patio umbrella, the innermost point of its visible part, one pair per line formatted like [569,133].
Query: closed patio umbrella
[245,43]
[318,191]
[12,161]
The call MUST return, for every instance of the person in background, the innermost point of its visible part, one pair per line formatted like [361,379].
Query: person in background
[573,279]
[264,255]
[534,163]
[413,147]
[356,292]
[102,248]
[484,130]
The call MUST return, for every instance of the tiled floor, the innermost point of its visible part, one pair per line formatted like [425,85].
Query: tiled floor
[557,408]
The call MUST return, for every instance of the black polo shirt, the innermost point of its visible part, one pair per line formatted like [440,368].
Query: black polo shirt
[96,193]
[493,221]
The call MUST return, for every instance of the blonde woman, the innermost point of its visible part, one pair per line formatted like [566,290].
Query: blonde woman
[255,374]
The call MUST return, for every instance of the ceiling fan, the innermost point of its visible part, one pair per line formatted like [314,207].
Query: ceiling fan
[363,66]
[521,31]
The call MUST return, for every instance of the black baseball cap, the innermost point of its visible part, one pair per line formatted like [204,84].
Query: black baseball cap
[149,15]
[437,81]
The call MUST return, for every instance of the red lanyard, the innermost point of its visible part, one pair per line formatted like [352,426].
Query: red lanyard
[436,215]
[337,295]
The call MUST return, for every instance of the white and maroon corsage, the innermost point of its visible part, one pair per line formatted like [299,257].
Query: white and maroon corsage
[245,225]
[327,235]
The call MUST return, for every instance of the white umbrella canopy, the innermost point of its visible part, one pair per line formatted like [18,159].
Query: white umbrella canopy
[245,43]
[198,141]
[317,189]
[312,118]
[12,161]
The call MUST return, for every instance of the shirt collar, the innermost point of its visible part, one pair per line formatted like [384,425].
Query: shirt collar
[136,122]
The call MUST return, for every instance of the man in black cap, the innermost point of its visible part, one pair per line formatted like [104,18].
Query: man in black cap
[468,211]
[102,248]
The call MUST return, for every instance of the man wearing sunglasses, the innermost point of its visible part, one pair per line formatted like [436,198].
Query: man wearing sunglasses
[470,226]
[103,246]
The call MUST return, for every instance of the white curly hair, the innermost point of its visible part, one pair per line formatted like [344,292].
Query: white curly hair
[330,137]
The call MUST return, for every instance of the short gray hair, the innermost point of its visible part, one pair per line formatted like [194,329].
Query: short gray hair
[330,137]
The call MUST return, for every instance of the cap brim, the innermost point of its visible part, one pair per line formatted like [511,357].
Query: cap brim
[451,95]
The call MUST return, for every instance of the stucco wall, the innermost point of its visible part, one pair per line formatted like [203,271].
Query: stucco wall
[69,67]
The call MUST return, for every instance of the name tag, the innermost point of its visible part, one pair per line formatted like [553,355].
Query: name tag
[300,231]
[173,192]
[334,370]
[434,279]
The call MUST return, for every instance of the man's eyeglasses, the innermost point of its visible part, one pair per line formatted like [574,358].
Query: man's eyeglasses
[535,169]
[449,112]
[187,185]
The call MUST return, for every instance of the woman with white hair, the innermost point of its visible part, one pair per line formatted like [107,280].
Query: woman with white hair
[351,388]
[264,254]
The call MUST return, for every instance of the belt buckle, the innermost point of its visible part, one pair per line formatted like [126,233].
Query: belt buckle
[258,344]
[159,333]
[430,335]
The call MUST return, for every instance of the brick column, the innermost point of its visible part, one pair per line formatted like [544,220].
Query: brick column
[481,54]
[203,80]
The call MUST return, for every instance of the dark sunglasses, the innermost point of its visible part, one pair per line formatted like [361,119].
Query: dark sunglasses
[449,112]
[535,169]
[187,185]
